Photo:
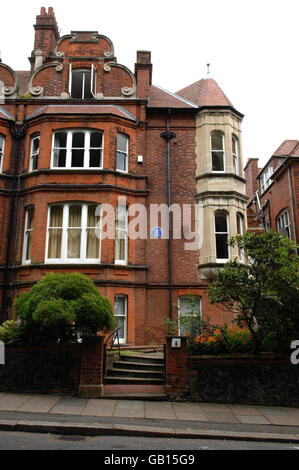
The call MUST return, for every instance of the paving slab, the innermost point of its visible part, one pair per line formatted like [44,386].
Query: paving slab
[221,417]
[244,410]
[13,401]
[159,410]
[97,407]
[188,412]
[214,407]
[129,409]
[282,419]
[40,403]
[69,406]
[253,419]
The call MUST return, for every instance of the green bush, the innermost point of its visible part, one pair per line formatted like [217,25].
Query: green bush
[10,332]
[62,308]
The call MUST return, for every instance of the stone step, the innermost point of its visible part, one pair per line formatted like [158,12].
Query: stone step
[134,373]
[133,380]
[141,358]
[138,365]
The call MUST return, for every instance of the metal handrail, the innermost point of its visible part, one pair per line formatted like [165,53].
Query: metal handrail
[110,342]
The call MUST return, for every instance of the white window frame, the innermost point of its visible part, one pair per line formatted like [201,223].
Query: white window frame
[222,260]
[93,80]
[191,297]
[122,340]
[26,232]
[34,154]
[125,234]
[218,151]
[235,143]
[126,153]
[69,133]
[2,149]
[64,239]
[265,178]
[284,224]
[240,231]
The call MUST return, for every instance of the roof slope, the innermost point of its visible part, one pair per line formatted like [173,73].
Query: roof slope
[288,147]
[205,92]
[160,98]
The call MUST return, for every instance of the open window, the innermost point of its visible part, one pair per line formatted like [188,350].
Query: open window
[83,83]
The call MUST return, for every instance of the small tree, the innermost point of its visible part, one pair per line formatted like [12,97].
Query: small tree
[61,308]
[264,293]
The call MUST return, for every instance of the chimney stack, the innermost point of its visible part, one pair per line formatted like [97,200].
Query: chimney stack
[46,34]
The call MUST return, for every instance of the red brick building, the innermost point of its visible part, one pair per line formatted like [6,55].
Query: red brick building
[78,131]
[273,191]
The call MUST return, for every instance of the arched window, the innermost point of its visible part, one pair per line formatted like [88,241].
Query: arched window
[217,151]
[235,147]
[221,234]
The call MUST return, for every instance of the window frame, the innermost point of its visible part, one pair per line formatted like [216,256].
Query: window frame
[218,151]
[236,161]
[64,236]
[222,260]
[2,150]
[26,237]
[122,340]
[240,231]
[86,159]
[287,227]
[125,232]
[265,178]
[34,154]
[126,153]
[191,297]
[93,81]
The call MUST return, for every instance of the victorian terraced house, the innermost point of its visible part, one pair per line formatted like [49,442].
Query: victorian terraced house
[79,132]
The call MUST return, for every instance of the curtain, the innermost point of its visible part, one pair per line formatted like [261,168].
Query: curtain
[74,232]
[55,232]
[92,241]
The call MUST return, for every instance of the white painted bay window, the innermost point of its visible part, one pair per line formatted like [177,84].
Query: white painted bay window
[75,149]
[221,234]
[34,152]
[73,233]
[217,151]
[121,235]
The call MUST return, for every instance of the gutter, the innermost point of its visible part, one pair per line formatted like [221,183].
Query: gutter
[292,207]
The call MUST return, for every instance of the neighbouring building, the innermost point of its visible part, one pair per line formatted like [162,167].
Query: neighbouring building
[80,132]
[273,191]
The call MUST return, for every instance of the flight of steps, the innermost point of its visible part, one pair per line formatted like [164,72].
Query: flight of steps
[139,369]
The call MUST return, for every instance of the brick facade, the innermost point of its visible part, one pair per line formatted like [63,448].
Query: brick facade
[122,102]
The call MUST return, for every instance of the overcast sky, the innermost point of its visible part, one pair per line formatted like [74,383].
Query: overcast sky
[252,47]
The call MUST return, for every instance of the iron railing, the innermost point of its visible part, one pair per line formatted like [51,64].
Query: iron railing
[109,344]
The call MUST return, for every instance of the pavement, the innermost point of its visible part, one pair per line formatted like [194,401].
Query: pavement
[107,416]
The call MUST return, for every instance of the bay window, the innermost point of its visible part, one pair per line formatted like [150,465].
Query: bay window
[77,149]
[235,154]
[73,231]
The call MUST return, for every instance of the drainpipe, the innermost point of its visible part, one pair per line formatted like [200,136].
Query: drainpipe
[292,206]
[167,135]
[18,133]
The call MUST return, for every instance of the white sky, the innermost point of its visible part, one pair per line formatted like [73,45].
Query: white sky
[252,47]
